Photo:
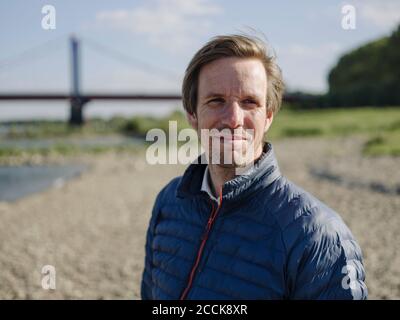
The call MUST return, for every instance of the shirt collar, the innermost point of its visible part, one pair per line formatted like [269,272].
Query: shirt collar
[206,183]
[263,173]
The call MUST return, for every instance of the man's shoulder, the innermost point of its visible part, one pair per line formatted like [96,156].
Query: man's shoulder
[300,214]
[168,192]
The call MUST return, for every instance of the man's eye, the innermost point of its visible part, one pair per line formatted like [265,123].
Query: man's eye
[249,101]
[216,100]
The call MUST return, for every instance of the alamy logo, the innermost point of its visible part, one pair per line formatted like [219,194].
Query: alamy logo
[49,20]
[49,277]
[349,280]
[349,17]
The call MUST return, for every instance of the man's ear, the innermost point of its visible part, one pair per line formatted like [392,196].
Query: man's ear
[269,119]
[192,119]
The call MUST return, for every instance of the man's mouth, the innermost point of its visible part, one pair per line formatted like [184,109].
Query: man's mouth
[232,138]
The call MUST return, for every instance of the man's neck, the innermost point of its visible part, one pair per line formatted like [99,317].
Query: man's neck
[219,175]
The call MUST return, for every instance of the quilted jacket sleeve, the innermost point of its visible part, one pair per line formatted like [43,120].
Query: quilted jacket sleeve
[327,264]
[146,285]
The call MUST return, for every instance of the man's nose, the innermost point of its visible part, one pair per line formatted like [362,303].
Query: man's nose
[233,115]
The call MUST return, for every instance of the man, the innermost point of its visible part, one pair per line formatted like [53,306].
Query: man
[214,234]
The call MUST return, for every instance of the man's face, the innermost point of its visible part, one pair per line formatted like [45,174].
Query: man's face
[232,99]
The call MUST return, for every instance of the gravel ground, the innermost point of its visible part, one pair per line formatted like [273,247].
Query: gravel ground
[92,228]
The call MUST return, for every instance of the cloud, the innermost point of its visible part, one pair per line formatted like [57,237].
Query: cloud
[172,25]
[383,14]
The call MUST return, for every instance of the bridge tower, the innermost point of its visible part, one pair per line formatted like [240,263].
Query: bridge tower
[77,102]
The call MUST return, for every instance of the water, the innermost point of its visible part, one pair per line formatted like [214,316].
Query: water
[104,141]
[55,110]
[19,181]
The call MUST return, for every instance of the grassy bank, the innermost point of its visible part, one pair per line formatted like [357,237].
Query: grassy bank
[381,126]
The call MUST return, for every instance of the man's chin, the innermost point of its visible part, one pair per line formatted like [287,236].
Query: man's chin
[233,155]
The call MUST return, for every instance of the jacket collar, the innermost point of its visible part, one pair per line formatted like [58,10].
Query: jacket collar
[262,174]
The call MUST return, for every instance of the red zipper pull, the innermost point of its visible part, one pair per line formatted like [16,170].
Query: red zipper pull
[210,219]
[209,222]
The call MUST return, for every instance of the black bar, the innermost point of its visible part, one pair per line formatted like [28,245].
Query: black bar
[201,309]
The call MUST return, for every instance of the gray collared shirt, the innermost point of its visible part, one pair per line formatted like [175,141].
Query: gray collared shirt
[206,184]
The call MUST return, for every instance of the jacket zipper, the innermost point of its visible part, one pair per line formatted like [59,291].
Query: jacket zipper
[204,239]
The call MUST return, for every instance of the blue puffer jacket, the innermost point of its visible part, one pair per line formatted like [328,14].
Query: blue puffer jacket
[266,239]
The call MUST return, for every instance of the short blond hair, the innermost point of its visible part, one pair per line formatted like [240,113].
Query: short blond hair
[225,46]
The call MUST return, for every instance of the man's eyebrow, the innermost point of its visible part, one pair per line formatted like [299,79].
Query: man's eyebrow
[213,95]
[251,96]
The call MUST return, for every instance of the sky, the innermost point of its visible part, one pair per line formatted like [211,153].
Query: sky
[145,46]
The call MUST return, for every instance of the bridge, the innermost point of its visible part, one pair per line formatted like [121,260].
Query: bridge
[78,100]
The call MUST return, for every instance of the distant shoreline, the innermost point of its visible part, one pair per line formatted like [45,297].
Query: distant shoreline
[25,111]
[17,182]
